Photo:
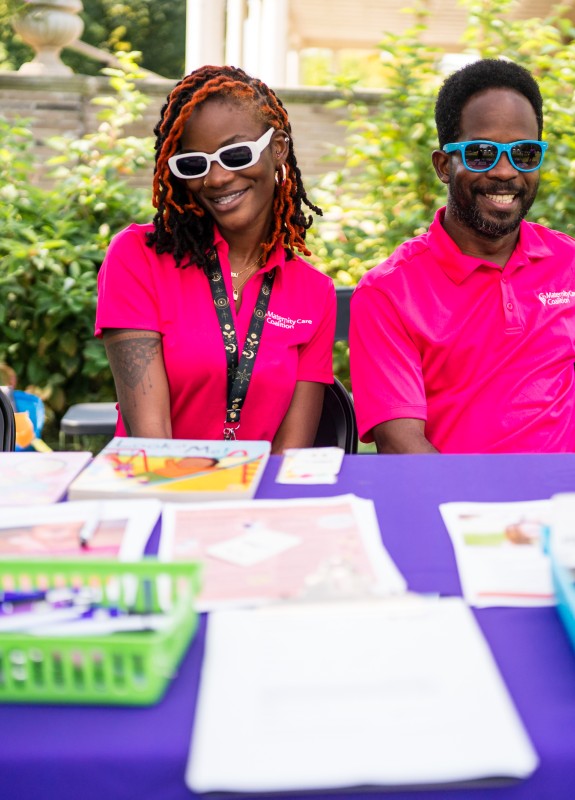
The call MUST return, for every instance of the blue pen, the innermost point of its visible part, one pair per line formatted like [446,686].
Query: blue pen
[22,597]
[62,596]
[51,605]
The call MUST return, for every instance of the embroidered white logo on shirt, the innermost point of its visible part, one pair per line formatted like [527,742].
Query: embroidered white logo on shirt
[285,322]
[556,298]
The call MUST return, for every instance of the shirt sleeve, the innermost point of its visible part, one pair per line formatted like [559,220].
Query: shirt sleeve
[127,295]
[385,365]
[316,355]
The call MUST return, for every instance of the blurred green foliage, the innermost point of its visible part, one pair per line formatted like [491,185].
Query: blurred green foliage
[52,242]
[387,189]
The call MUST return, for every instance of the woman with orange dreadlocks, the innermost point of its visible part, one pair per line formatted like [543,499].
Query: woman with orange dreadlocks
[214,327]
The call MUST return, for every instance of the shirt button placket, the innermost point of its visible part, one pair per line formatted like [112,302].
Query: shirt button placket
[513,322]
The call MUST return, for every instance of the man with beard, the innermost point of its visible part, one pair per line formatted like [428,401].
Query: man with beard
[463,340]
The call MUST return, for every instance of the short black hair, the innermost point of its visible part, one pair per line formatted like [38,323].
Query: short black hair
[489,73]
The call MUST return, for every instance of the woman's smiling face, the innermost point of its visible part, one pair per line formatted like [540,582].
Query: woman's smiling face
[237,200]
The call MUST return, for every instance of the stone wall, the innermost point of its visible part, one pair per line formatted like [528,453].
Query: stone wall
[62,106]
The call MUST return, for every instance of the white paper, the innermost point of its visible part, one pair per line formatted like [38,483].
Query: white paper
[310,465]
[499,548]
[394,692]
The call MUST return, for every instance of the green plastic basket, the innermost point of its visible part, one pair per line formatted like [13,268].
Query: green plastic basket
[115,669]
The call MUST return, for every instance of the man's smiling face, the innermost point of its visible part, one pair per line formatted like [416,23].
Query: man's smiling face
[493,203]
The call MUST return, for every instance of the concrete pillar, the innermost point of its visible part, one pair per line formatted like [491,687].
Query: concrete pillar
[274,34]
[252,25]
[205,25]
[292,68]
[236,13]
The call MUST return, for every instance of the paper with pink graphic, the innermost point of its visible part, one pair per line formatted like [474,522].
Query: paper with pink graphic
[273,550]
[107,529]
[28,478]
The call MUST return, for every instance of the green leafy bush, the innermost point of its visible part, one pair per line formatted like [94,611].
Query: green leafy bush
[52,243]
[387,189]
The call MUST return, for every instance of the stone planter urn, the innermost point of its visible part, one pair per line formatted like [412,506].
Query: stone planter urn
[48,26]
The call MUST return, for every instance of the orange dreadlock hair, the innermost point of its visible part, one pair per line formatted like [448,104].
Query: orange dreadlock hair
[181,226]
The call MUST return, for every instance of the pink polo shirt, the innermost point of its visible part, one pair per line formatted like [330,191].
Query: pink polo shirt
[484,354]
[137,288]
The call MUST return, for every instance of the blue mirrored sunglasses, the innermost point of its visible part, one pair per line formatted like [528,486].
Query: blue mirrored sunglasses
[231,157]
[481,155]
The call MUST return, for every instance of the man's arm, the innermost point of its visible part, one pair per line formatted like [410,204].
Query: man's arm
[402,436]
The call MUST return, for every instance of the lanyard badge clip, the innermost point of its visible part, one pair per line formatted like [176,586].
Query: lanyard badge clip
[230,433]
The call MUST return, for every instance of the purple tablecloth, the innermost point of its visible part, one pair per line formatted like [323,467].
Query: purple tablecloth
[67,753]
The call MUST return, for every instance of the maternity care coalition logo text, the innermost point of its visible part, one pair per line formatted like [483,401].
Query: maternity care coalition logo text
[555,298]
[285,322]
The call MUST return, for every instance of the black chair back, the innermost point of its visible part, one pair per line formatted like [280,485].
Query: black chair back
[337,424]
[343,297]
[7,424]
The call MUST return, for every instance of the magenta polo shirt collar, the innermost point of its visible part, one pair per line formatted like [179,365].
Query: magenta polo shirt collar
[458,266]
[277,257]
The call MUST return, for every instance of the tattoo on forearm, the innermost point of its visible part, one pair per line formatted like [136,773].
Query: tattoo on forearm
[129,359]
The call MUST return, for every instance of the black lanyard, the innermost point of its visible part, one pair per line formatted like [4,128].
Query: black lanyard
[239,374]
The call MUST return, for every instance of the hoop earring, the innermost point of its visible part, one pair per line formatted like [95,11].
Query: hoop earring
[284,175]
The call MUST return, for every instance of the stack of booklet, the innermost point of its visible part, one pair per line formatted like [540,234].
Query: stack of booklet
[173,470]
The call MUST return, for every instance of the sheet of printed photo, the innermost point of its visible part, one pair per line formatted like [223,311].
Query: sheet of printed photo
[270,550]
[500,551]
[28,478]
[106,529]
